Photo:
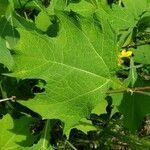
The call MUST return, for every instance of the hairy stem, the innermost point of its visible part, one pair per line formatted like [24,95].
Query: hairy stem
[134,45]
[130,90]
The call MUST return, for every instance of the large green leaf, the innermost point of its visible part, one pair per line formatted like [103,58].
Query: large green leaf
[134,106]
[124,19]
[76,73]
[127,16]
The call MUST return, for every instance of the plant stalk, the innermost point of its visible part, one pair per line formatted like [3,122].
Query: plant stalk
[130,90]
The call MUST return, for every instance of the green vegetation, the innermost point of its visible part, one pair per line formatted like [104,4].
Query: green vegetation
[75,74]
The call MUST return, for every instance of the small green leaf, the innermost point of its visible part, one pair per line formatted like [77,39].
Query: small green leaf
[43,25]
[142,54]
[5,56]
[143,23]
[56,5]
[44,142]
[83,8]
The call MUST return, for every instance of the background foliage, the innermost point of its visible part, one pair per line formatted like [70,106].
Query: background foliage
[61,59]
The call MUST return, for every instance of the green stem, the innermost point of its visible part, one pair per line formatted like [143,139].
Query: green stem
[4,96]
[71,145]
[120,1]
[134,45]
[137,66]
[20,3]
[144,93]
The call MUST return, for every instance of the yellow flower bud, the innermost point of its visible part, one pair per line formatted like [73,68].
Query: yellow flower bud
[124,54]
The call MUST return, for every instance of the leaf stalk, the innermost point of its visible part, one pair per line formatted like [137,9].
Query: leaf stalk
[13,99]
[131,90]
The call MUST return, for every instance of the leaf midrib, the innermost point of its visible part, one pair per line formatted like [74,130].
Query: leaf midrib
[86,93]
[65,65]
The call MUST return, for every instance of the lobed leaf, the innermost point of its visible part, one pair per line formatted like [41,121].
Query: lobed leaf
[73,85]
